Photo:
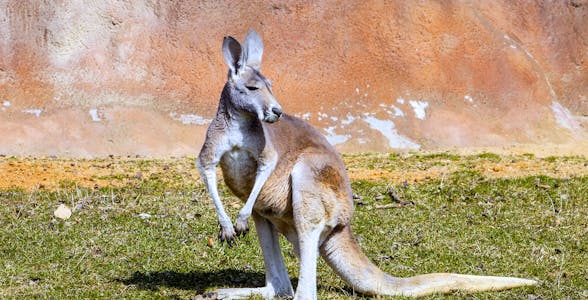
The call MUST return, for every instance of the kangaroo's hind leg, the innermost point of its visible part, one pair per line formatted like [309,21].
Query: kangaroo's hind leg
[313,206]
[276,276]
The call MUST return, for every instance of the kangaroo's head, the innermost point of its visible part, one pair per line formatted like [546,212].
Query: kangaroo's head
[249,90]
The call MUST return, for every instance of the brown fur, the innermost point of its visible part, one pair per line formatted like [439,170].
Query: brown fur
[274,200]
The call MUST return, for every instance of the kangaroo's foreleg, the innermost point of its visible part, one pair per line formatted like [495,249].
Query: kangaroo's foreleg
[227,231]
[207,162]
[266,165]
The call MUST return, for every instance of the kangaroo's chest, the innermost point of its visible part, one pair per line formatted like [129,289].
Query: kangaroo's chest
[239,168]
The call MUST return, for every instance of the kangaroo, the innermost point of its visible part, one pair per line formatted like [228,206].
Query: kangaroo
[294,182]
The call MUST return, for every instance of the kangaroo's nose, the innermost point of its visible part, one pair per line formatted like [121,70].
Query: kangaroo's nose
[277,111]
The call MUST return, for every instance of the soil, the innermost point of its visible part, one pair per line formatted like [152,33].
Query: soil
[48,173]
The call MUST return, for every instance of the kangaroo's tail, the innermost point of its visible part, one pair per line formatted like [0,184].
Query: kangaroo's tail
[343,254]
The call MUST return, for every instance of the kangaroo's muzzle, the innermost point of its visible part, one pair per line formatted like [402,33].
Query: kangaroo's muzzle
[272,115]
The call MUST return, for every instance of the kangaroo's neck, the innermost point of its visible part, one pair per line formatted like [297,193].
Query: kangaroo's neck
[234,117]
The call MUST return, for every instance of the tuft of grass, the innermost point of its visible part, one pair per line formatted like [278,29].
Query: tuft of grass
[149,236]
[489,156]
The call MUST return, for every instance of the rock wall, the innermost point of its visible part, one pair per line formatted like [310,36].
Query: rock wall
[92,78]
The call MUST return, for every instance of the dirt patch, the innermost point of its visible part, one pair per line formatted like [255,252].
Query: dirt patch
[51,174]
[54,173]
[507,168]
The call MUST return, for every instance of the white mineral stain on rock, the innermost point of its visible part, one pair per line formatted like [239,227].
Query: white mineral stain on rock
[35,111]
[6,104]
[400,100]
[388,129]
[397,111]
[335,139]
[419,108]
[322,115]
[190,119]
[564,117]
[94,115]
[348,120]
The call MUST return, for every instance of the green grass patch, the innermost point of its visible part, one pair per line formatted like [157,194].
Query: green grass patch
[149,239]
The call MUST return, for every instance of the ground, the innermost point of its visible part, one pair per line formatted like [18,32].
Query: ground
[144,228]
[48,172]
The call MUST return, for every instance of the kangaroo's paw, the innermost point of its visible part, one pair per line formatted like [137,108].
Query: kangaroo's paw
[242,225]
[227,234]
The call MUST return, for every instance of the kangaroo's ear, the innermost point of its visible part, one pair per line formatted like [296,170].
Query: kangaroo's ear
[232,53]
[253,50]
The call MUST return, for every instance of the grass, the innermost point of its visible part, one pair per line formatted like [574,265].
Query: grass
[466,222]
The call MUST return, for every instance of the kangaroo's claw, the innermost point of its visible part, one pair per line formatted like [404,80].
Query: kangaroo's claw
[242,226]
[227,234]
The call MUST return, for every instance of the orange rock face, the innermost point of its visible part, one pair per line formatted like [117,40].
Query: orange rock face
[111,77]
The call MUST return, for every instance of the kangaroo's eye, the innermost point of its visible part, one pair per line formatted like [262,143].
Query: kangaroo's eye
[252,88]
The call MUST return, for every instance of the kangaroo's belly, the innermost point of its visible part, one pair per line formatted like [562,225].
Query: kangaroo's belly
[239,169]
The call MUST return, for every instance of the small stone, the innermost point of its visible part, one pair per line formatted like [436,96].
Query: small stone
[144,216]
[62,212]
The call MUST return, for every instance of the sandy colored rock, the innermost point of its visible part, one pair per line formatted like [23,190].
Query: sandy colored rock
[88,79]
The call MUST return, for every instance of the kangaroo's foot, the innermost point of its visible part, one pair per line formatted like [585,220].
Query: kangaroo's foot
[242,224]
[267,292]
[227,234]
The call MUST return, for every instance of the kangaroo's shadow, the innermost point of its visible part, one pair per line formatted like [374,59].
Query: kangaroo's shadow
[198,281]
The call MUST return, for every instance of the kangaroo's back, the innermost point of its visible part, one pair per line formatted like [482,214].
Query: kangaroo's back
[292,137]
